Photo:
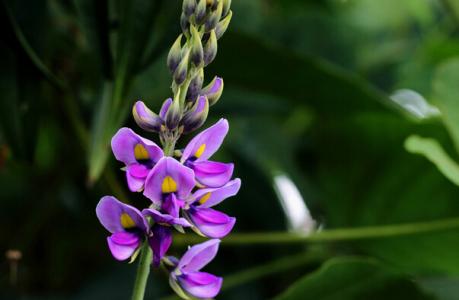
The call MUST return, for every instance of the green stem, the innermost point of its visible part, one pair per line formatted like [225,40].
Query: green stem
[331,235]
[142,272]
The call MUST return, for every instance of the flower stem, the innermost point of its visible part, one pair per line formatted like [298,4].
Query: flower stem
[142,272]
[331,235]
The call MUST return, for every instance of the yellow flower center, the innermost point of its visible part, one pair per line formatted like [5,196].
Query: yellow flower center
[200,151]
[204,198]
[140,153]
[169,185]
[126,221]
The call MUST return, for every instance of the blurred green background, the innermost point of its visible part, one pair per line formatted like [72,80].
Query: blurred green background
[344,124]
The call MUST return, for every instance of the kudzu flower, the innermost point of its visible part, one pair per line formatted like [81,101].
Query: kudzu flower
[168,185]
[186,277]
[207,221]
[138,154]
[197,115]
[203,146]
[127,225]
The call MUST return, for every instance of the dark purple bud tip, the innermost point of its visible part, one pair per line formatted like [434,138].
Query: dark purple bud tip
[173,115]
[197,115]
[200,12]
[175,54]
[188,7]
[195,86]
[210,48]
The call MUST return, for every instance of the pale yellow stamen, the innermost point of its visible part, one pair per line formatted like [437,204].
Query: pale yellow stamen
[126,221]
[140,153]
[169,185]
[204,198]
[200,151]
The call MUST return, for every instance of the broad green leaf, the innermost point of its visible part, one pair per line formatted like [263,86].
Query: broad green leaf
[434,152]
[446,93]
[353,279]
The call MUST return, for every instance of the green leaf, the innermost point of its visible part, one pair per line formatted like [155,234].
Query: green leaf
[446,93]
[353,278]
[434,152]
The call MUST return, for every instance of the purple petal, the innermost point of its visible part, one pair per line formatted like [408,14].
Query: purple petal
[198,256]
[183,178]
[200,284]
[171,205]
[212,196]
[136,175]
[124,143]
[123,244]
[205,144]
[134,184]
[164,218]
[165,108]
[160,242]
[145,118]
[210,222]
[110,210]
[212,174]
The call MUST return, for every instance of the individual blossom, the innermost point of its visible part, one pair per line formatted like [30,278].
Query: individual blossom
[138,154]
[200,149]
[186,277]
[207,221]
[161,234]
[127,225]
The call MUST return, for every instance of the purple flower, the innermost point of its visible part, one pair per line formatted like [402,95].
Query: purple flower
[203,146]
[127,225]
[138,154]
[187,280]
[168,184]
[161,234]
[207,221]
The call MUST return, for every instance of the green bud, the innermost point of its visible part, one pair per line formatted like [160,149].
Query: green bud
[196,53]
[188,7]
[182,69]
[185,24]
[200,12]
[173,115]
[195,85]
[175,54]
[214,17]
[226,7]
[210,48]
[223,25]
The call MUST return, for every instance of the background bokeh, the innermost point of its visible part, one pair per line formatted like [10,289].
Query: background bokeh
[328,104]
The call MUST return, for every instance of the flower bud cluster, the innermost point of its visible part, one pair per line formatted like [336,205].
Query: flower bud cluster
[184,185]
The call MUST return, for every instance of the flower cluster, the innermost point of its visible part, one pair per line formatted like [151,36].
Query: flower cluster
[182,185]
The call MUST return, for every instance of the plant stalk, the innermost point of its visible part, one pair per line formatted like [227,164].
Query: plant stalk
[142,272]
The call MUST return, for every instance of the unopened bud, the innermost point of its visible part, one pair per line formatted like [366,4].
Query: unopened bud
[197,115]
[145,118]
[223,25]
[173,58]
[213,90]
[226,7]
[196,53]
[214,17]
[188,7]
[210,48]
[200,12]
[185,24]
[165,108]
[195,85]
[182,69]
[173,115]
